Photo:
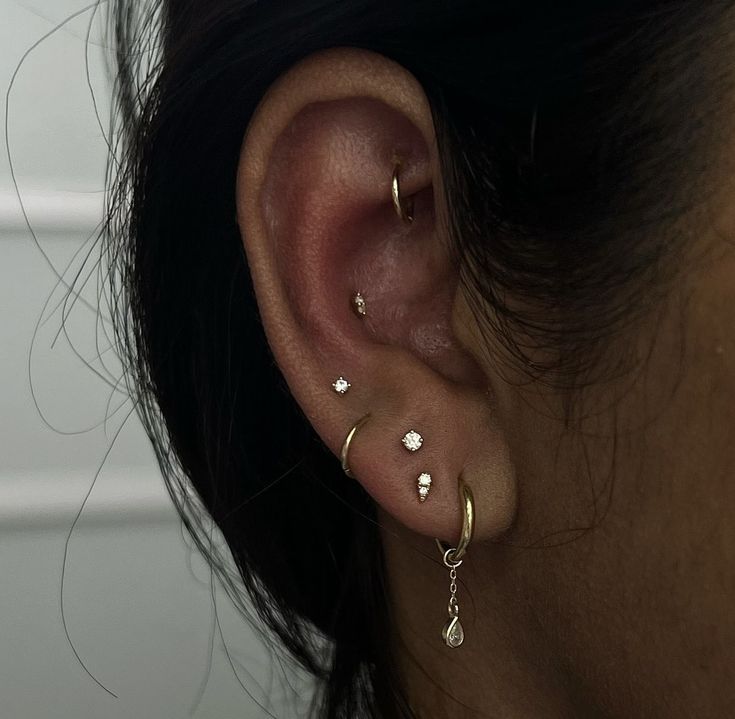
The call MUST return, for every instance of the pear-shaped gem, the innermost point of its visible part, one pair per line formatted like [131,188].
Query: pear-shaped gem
[453,633]
[424,485]
[456,635]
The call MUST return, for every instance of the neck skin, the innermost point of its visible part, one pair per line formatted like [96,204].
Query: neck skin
[611,596]
[506,667]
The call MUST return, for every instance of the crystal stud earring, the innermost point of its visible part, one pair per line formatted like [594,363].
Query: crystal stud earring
[358,305]
[341,385]
[412,440]
[423,486]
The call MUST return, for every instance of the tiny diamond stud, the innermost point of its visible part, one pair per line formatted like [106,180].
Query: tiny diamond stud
[341,385]
[358,304]
[424,485]
[412,440]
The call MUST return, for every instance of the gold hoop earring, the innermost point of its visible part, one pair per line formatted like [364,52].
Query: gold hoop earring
[343,455]
[405,213]
[453,631]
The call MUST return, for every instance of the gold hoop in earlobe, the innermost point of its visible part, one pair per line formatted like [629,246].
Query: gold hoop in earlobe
[405,213]
[343,455]
[453,631]
[467,505]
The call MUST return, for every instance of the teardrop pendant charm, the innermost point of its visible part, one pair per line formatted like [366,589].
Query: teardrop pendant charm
[453,633]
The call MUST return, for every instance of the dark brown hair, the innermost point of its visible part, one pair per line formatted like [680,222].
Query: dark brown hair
[563,133]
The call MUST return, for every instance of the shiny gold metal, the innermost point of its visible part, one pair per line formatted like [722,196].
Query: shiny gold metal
[346,446]
[467,503]
[405,212]
[453,632]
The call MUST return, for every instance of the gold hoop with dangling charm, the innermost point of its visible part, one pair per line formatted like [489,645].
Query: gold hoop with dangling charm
[453,631]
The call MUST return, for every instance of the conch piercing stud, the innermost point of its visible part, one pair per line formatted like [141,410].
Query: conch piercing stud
[344,453]
[405,212]
[341,385]
[358,304]
[453,632]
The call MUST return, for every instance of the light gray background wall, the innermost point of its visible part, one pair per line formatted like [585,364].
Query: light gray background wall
[138,600]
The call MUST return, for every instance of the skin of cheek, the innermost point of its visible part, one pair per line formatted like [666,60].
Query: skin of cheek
[636,585]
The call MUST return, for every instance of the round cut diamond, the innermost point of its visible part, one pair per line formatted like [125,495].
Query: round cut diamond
[412,440]
[341,385]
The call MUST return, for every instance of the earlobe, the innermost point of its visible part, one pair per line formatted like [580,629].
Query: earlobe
[336,205]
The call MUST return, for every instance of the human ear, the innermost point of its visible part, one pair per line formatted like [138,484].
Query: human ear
[319,224]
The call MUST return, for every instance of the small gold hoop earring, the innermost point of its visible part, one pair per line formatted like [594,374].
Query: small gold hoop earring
[453,631]
[405,213]
[343,455]
[467,504]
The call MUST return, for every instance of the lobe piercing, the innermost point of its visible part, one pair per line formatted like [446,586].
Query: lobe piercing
[345,451]
[358,305]
[453,631]
[424,485]
[341,385]
[412,440]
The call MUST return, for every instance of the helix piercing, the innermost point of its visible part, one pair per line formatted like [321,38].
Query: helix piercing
[404,212]
[343,455]
[453,631]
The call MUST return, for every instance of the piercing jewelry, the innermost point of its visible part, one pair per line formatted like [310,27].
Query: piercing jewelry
[424,485]
[412,440]
[358,304]
[343,455]
[341,385]
[405,213]
[453,632]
